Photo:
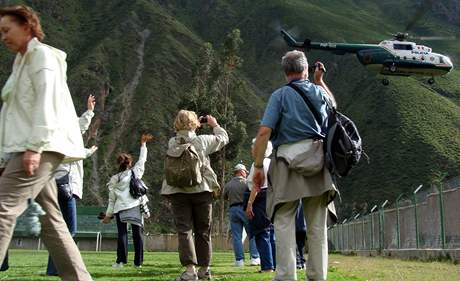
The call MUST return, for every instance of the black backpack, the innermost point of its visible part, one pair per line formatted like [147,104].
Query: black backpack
[342,144]
[137,187]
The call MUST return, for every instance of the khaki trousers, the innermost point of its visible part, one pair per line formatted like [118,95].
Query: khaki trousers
[15,189]
[315,212]
[193,218]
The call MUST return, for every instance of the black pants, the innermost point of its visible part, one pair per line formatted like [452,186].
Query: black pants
[122,247]
[300,241]
[5,264]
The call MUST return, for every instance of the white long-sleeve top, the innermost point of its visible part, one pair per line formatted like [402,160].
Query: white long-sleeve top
[75,169]
[119,197]
[37,112]
[251,174]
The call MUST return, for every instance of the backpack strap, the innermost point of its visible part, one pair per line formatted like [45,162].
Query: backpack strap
[307,102]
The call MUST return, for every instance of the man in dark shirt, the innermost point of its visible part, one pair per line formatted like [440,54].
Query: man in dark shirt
[234,192]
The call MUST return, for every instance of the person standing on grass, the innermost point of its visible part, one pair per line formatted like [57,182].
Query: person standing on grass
[38,130]
[73,173]
[125,207]
[288,121]
[192,205]
[234,192]
[260,225]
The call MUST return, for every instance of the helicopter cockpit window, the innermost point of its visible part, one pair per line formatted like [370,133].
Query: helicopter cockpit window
[406,47]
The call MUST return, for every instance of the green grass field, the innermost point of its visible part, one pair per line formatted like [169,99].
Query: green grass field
[30,266]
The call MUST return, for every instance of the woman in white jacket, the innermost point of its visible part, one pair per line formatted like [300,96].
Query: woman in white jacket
[126,208]
[38,130]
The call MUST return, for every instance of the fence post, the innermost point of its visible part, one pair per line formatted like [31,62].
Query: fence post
[382,226]
[354,230]
[362,233]
[372,227]
[398,228]
[417,236]
[441,213]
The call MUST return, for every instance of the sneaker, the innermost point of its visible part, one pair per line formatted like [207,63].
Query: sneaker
[186,276]
[204,274]
[255,261]
[117,265]
[138,266]
[239,263]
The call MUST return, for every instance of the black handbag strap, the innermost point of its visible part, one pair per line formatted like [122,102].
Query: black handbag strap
[307,102]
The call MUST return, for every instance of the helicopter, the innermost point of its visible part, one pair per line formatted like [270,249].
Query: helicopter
[397,56]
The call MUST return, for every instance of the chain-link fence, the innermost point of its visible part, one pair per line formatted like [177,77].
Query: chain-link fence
[422,219]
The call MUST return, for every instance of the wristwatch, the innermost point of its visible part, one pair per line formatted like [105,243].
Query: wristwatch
[261,166]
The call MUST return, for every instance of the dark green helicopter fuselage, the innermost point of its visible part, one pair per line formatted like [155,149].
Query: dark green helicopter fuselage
[381,59]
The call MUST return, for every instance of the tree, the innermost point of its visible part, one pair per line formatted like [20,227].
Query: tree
[214,83]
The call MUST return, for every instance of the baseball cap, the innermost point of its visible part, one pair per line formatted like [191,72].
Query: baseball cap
[239,167]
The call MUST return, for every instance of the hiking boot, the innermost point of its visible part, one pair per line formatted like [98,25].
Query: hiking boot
[187,276]
[204,274]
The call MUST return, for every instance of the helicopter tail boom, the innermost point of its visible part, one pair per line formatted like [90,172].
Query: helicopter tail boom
[291,41]
[337,48]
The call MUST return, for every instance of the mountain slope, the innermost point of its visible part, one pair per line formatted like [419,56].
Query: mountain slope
[137,58]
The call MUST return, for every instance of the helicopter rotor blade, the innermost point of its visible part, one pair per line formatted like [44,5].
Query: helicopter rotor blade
[435,38]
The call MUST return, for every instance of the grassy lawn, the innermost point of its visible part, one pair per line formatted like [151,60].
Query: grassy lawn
[30,266]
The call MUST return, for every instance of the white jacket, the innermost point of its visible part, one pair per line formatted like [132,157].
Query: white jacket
[119,197]
[37,112]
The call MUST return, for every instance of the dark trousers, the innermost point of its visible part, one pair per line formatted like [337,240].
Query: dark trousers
[193,218]
[300,237]
[69,213]
[122,246]
[5,264]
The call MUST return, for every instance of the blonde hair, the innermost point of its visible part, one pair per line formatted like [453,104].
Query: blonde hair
[186,120]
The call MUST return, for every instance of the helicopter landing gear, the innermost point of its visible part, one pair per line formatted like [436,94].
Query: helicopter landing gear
[385,82]
[431,81]
[392,68]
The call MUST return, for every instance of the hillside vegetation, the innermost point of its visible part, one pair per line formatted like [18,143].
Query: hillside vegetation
[137,57]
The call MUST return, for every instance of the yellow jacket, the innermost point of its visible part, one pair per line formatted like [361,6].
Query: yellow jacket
[37,112]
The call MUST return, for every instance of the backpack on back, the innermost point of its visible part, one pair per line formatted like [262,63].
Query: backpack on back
[342,144]
[182,165]
[343,147]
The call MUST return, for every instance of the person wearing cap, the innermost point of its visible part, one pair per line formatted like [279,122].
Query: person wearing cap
[234,192]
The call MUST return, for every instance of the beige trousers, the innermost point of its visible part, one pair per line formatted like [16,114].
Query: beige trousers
[315,212]
[15,189]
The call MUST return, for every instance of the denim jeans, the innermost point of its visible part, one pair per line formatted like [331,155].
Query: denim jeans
[238,220]
[265,241]
[69,212]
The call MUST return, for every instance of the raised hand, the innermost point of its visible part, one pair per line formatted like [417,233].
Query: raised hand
[146,138]
[91,103]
